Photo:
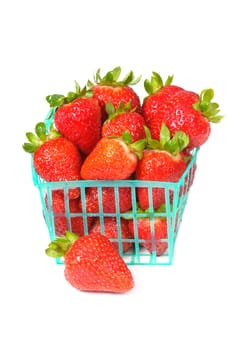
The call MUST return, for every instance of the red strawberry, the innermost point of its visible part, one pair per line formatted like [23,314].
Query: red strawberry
[123,119]
[92,263]
[55,158]
[179,109]
[108,200]
[62,219]
[78,118]
[151,233]
[112,159]
[111,230]
[162,163]
[110,89]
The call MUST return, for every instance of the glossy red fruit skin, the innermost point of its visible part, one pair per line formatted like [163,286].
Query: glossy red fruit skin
[157,165]
[174,107]
[131,122]
[108,200]
[58,160]
[111,159]
[171,90]
[145,233]
[60,213]
[93,264]
[80,122]
[111,231]
[115,95]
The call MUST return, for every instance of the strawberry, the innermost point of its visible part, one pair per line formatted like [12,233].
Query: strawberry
[110,89]
[179,109]
[92,263]
[111,230]
[61,214]
[123,119]
[112,159]
[150,233]
[108,199]
[55,158]
[78,118]
[163,162]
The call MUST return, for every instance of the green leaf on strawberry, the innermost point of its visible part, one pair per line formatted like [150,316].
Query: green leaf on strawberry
[71,96]
[36,140]
[55,100]
[110,110]
[112,75]
[209,109]
[156,83]
[40,130]
[137,147]
[173,145]
[58,100]
[59,247]
[114,112]
[165,135]
[112,78]
[127,138]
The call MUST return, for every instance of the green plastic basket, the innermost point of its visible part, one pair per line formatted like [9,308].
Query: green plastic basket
[176,195]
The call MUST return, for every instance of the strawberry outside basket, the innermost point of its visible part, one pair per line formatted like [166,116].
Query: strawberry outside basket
[176,195]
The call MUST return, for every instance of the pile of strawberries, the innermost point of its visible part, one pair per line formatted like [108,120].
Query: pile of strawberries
[105,132]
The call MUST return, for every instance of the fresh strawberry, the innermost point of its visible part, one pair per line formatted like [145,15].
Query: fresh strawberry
[110,89]
[108,199]
[78,118]
[63,221]
[55,158]
[152,233]
[111,230]
[163,162]
[112,159]
[92,263]
[179,109]
[123,119]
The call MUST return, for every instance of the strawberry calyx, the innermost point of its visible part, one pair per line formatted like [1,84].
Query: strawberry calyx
[136,147]
[114,112]
[156,83]
[36,140]
[112,78]
[59,247]
[172,144]
[209,109]
[57,100]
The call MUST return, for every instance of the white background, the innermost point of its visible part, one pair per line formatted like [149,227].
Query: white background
[45,46]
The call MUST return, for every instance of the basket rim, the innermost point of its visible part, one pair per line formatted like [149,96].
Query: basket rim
[39,182]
